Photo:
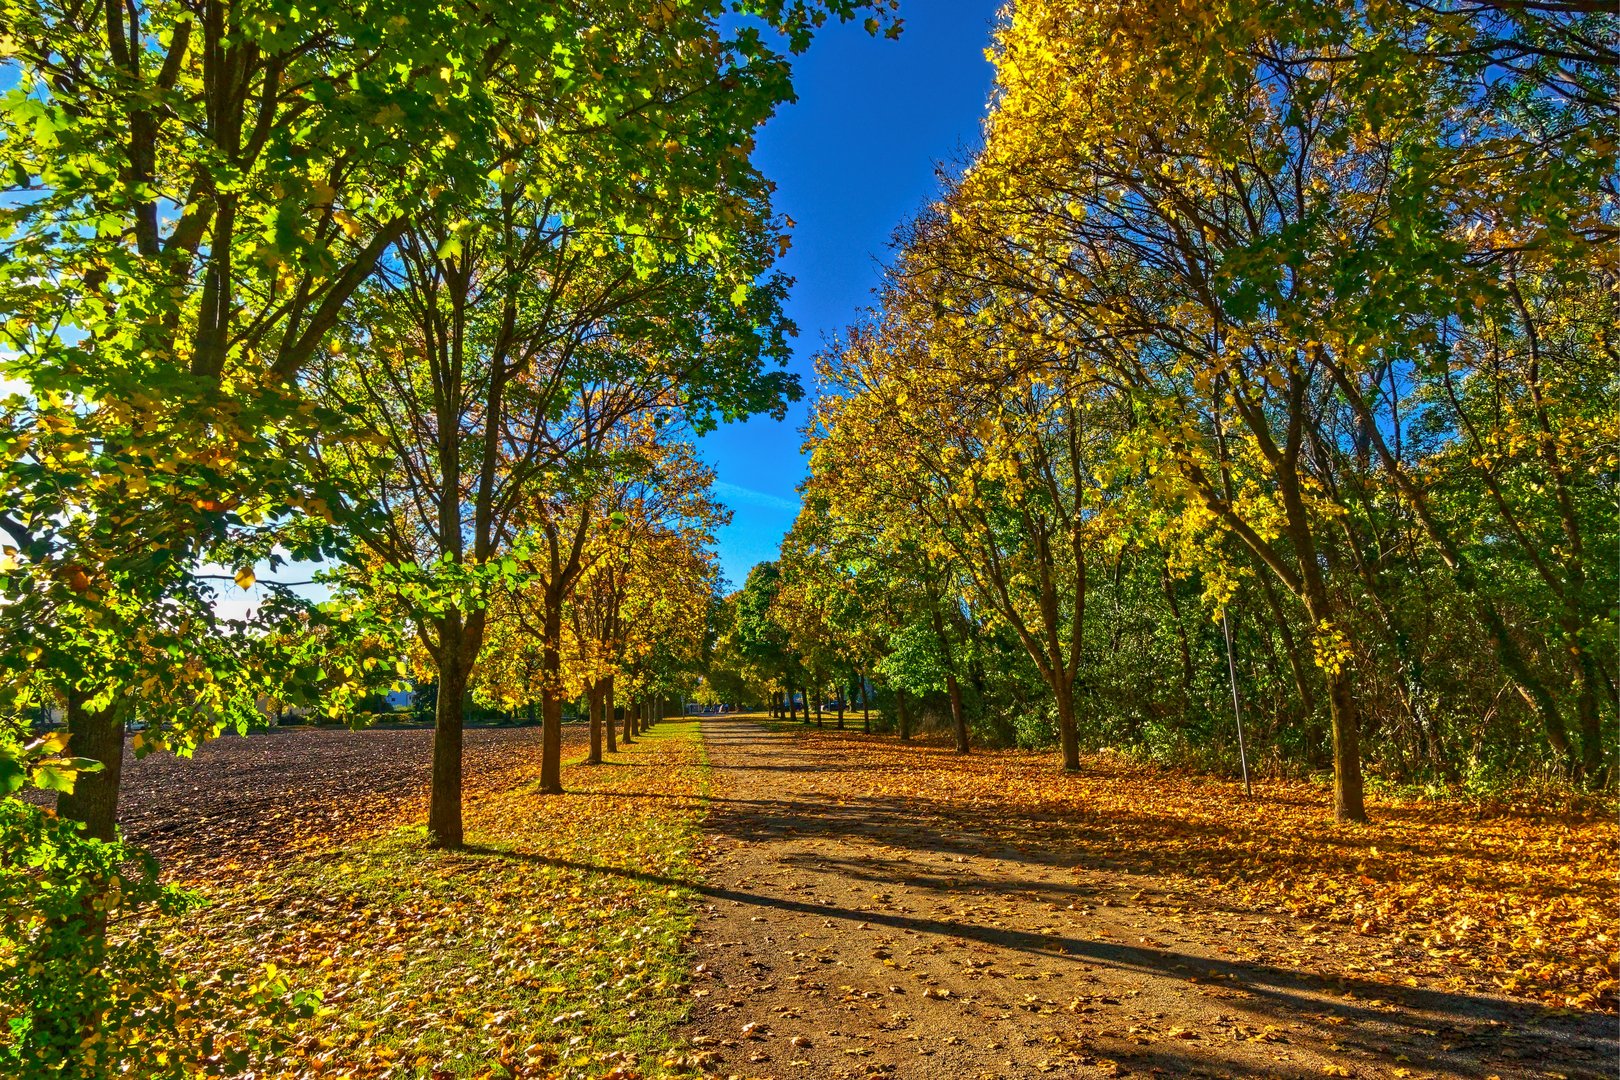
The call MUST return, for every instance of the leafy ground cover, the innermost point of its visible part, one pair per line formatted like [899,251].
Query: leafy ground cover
[1508,899]
[543,949]
[241,805]
[874,912]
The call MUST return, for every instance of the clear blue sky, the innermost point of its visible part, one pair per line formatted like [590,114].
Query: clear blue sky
[852,158]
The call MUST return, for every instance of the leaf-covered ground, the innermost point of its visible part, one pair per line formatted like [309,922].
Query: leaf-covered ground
[242,803]
[1435,894]
[545,949]
[880,910]
[871,909]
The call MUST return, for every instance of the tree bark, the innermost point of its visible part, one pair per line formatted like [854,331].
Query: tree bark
[1343,715]
[902,715]
[1508,654]
[97,734]
[551,708]
[958,713]
[1347,788]
[840,700]
[551,703]
[444,802]
[593,703]
[609,715]
[1068,734]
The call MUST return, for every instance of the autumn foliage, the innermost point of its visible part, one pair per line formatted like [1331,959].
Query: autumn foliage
[1243,405]
[1254,371]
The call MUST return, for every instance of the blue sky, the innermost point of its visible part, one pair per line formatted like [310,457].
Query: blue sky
[852,158]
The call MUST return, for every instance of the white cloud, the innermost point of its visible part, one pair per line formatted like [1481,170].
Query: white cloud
[737,493]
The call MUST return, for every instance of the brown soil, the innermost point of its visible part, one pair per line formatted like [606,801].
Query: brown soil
[850,935]
[242,802]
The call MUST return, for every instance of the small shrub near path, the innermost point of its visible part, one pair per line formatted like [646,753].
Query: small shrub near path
[550,947]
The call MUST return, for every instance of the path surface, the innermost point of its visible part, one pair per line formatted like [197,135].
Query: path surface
[850,937]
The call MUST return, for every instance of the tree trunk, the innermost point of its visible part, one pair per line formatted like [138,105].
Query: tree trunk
[866,705]
[1068,735]
[792,706]
[1343,715]
[902,715]
[551,703]
[958,713]
[1319,608]
[1347,794]
[816,691]
[609,717]
[1508,654]
[444,802]
[840,700]
[551,709]
[629,723]
[97,734]
[593,703]
[1586,713]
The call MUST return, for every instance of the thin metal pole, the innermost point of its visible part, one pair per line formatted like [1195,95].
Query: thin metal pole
[1237,710]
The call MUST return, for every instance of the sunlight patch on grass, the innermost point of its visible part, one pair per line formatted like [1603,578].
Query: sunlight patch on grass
[551,946]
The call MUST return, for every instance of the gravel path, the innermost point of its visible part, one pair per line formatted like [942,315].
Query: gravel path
[847,936]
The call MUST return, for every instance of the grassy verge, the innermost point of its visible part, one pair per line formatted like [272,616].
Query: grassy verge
[552,946]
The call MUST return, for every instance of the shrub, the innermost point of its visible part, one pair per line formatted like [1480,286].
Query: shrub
[84,989]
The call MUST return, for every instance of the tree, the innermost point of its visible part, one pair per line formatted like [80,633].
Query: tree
[762,641]
[194,195]
[1271,302]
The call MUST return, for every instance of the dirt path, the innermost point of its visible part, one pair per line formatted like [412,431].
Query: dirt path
[851,936]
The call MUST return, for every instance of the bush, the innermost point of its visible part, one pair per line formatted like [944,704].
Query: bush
[1035,728]
[84,989]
